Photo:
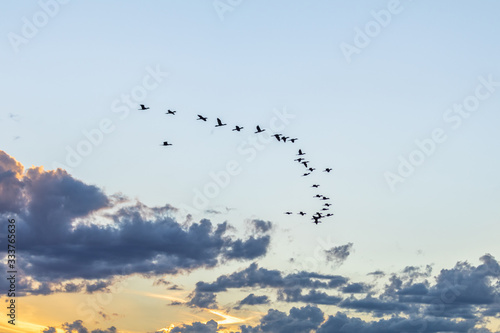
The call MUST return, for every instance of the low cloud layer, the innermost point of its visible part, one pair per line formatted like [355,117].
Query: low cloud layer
[56,213]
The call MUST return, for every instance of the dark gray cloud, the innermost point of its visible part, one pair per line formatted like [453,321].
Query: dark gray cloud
[341,323]
[252,299]
[77,327]
[313,297]
[253,276]
[54,212]
[299,320]
[209,327]
[262,226]
[338,254]
[203,299]
[356,288]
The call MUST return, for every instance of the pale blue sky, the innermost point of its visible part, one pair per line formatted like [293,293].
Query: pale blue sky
[356,117]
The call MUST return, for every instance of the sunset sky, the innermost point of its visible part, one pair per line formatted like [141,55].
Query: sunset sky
[117,233]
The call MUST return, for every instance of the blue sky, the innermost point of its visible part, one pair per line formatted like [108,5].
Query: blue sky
[282,64]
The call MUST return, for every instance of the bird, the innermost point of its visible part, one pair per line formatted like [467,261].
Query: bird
[300,152]
[299,159]
[202,118]
[316,221]
[165,143]
[301,213]
[259,130]
[318,215]
[328,170]
[219,123]
[305,163]
[318,196]
[170,112]
[306,174]
[329,214]
[284,138]
[315,185]
[327,205]
[143,107]
[325,209]
[288,213]
[325,198]
[312,169]
[237,128]
[277,136]
[293,140]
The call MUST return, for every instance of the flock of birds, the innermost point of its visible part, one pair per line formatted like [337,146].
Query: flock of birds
[317,217]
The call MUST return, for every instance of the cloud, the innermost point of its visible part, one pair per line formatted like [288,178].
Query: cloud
[203,299]
[77,327]
[338,254]
[314,296]
[299,320]
[341,323]
[253,276]
[209,327]
[252,299]
[56,215]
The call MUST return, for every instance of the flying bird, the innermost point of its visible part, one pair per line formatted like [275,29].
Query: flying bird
[143,107]
[170,112]
[237,128]
[300,152]
[288,213]
[293,140]
[259,130]
[299,159]
[165,143]
[284,138]
[277,136]
[328,170]
[325,198]
[318,196]
[315,185]
[301,213]
[219,123]
[202,118]
[312,169]
[305,163]
[306,174]
[327,205]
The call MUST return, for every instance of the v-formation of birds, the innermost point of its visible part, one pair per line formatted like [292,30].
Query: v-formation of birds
[317,217]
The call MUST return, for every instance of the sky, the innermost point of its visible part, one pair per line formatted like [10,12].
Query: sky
[117,233]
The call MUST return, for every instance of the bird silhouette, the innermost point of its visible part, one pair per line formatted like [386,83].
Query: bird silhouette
[170,112]
[299,159]
[306,174]
[219,123]
[325,198]
[305,163]
[165,143]
[284,138]
[328,170]
[202,118]
[293,140]
[277,136]
[315,185]
[312,169]
[300,152]
[288,213]
[143,107]
[318,196]
[237,128]
[301,213]
[327,205]
[259,130]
